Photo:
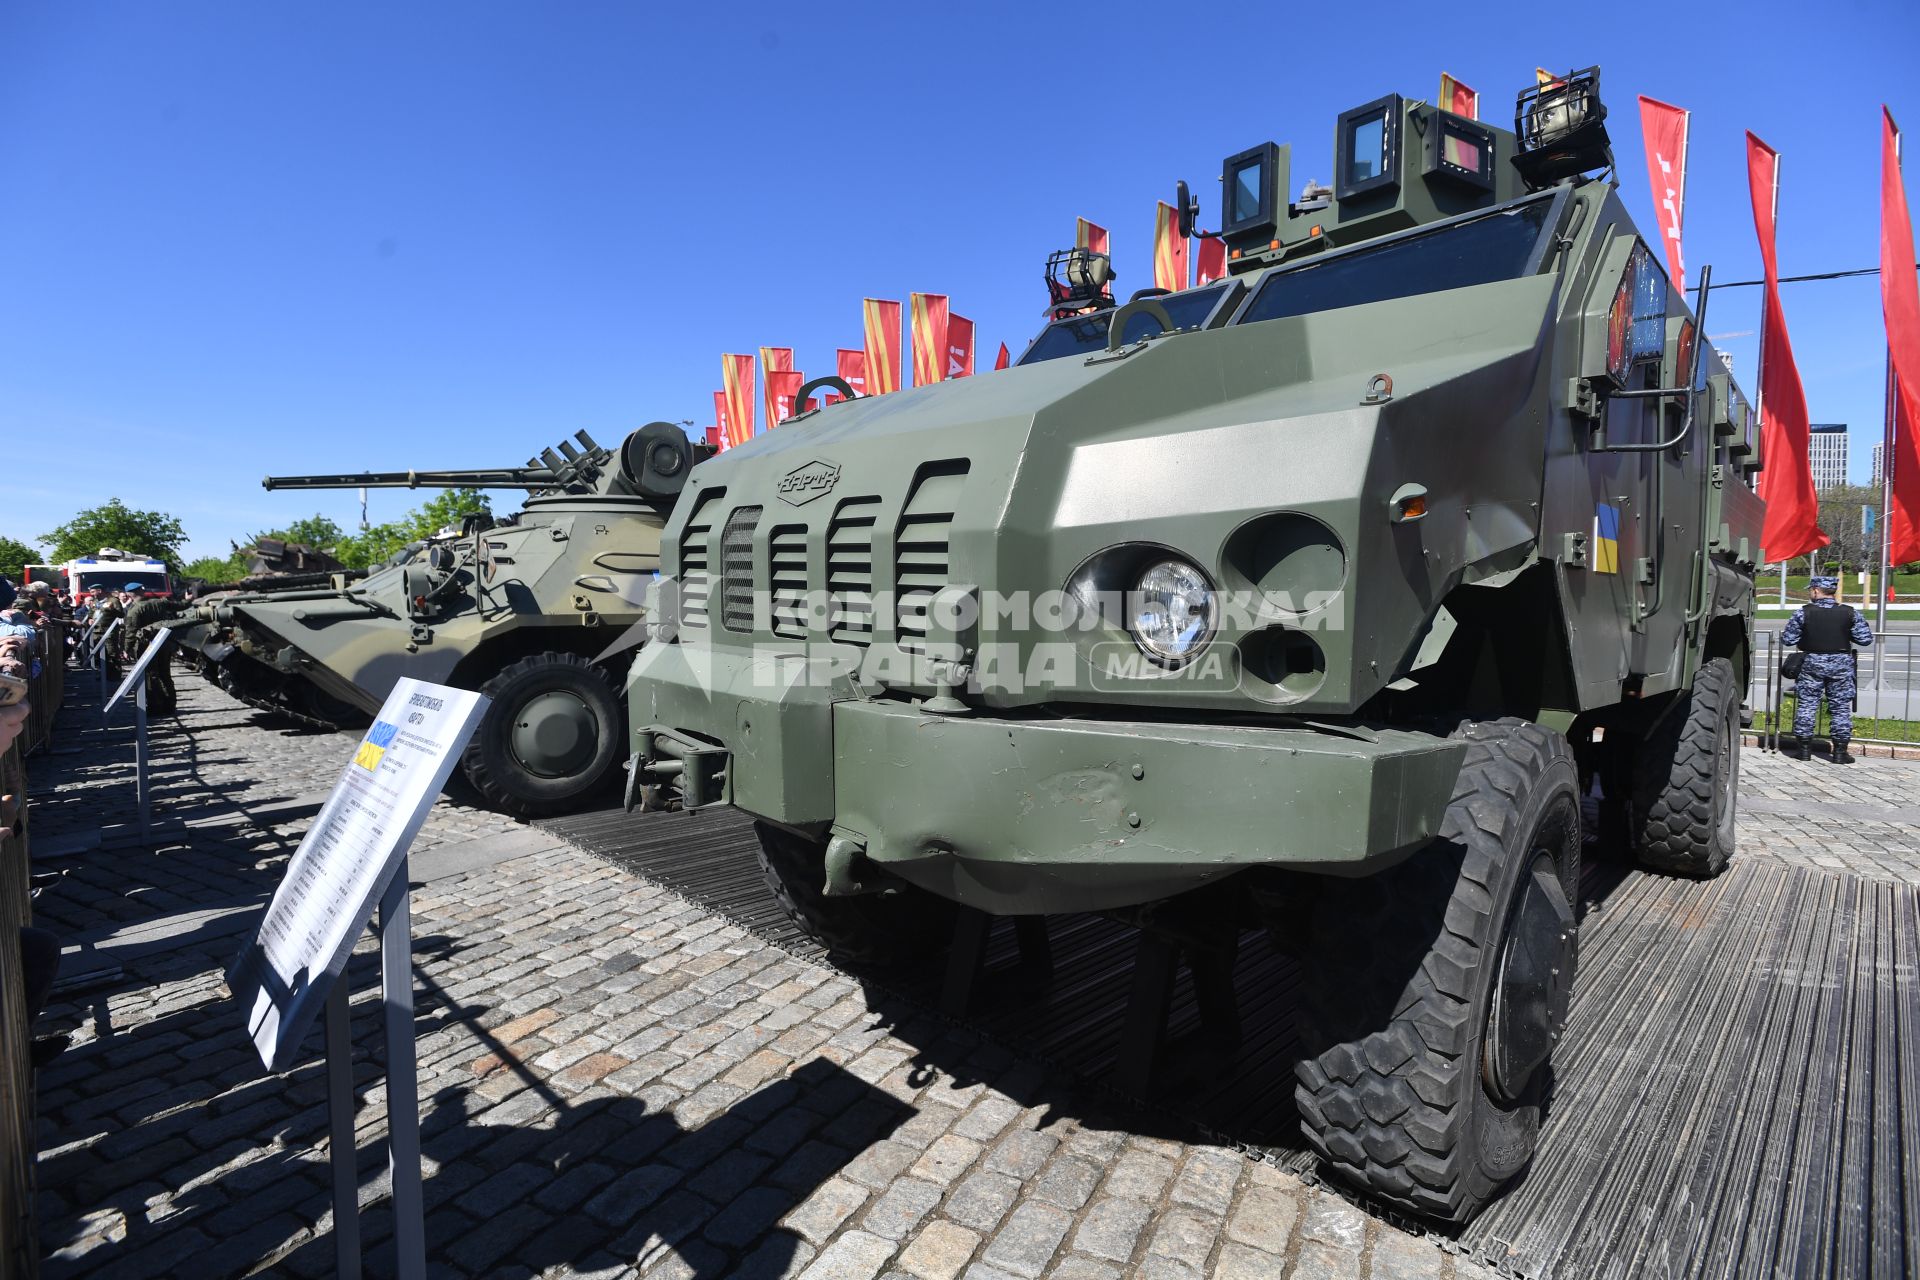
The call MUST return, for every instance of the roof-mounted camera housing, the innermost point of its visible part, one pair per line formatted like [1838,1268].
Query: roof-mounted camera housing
[1562,129]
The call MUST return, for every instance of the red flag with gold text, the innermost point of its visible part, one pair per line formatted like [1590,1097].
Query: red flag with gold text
[882,319]
[720,417]
[1900,304]
[1457,98]
[1786,475]
[783,386]
[959,346]
[1169,249]
[1663,128]
[852,368]
[737,373]
[1209,261]
[772,360]
[929,323]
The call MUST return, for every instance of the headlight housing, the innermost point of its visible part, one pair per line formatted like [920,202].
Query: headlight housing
[1171,611]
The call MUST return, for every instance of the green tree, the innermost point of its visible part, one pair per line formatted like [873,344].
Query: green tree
[366,549]
[316,531]
[216,568]
[13,555]
[1847,548]
[115,524]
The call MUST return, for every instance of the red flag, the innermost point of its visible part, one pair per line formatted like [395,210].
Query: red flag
[852,368]
[813,402]
[1786,477]
[1663,128]
[883,346]
[1900,304]
[1169,249]
[720,416]
[713,437]
[1457,98]
[929,325]
[774,359]
[1210,261]
[1001,361]
[737,373]
[783,385]
[1090,236]
[959,347]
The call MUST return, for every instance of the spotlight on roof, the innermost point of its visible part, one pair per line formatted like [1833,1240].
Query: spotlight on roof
[1562,129]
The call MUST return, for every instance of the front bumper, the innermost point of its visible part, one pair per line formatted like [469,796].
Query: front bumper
[1036,816]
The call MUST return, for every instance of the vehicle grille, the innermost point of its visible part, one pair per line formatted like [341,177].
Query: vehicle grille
[696,569]
[850,570]
[787,553]
[922,558]
[736,569]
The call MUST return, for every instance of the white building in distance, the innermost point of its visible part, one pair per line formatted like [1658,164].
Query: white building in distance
[1827,451]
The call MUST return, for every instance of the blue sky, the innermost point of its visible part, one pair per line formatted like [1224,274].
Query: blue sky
[244,238]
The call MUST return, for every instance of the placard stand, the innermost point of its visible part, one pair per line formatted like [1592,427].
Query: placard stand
[352,860]
[97,654]
[137,678]
[403,1100]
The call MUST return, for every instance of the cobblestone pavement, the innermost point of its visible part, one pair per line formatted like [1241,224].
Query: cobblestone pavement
[615,1082]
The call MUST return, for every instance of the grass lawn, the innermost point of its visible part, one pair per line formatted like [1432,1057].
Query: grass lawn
[1864,727]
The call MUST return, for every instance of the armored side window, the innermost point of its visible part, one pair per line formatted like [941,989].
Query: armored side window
[1497,246]
[1082,335]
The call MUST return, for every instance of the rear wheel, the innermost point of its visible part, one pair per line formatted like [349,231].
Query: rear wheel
[902,927]
[1436,990]
[549,740]
[1685,777]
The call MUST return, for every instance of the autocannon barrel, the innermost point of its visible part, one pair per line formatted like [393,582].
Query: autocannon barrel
[504,478]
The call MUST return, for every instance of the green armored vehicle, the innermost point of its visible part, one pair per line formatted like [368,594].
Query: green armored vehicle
[1315,598]
[523,609]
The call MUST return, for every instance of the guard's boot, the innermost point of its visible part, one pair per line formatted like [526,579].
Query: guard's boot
[1840,753]
[1797,749]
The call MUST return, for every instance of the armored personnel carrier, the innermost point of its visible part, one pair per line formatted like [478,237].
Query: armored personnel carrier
[524,609]
[1313,598]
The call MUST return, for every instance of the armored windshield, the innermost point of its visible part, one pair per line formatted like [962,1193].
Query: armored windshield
[1499,246]
[1081,334]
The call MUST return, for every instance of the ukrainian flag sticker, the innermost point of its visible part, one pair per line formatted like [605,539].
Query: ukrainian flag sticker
[369,755]
[1606,539]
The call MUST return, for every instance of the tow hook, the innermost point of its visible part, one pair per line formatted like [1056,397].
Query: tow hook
[845,858]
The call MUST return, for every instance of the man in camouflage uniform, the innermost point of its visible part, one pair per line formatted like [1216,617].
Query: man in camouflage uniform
[106,608]
[1826,632]
[136,633]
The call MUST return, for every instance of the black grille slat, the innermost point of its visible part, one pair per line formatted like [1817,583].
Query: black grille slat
[922,554]
[787,562]
[850,584]
[696,571]
[736,569]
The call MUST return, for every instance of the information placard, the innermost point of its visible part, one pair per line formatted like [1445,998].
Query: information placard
[152,651]
[338,874]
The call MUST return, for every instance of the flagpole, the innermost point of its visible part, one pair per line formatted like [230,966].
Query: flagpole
[1686,130]
[1760,369]
[1886,466]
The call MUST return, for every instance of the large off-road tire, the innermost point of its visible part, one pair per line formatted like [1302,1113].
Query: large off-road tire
[1436,990]
[1685,775]
[903,927]
[550,739]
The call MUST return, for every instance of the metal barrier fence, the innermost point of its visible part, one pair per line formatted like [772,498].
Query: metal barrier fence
[19,1246]
[1885,705]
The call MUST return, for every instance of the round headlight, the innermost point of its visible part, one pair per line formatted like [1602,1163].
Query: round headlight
[1172,611]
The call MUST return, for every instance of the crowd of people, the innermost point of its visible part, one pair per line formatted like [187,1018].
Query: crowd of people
[24,618]
[27,643]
